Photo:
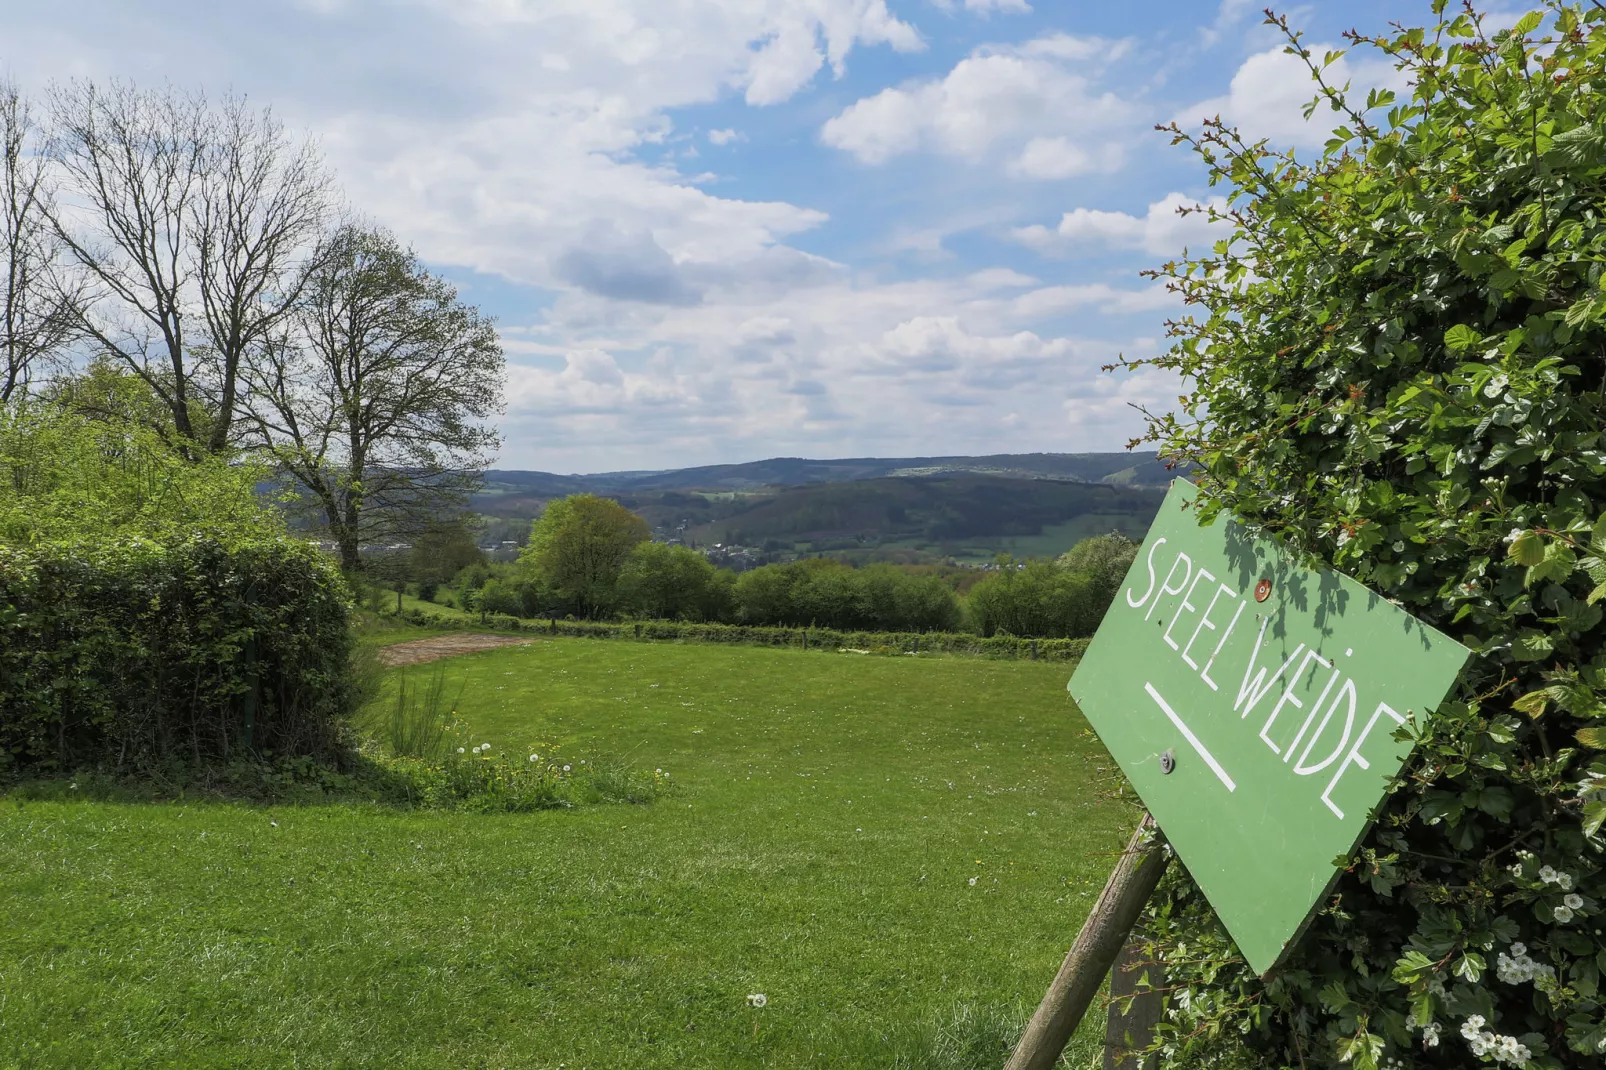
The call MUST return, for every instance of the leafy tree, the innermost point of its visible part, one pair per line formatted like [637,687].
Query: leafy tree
[64,476]
[1394,361]
[821,591]
[580,544]
[666,582]
[375,393]
[440,552]
[1105,560]
[1036,598]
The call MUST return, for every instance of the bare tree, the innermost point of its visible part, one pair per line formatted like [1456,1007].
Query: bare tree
[36,307]
[190,223]
[375,396]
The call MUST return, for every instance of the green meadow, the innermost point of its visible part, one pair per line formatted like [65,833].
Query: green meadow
[894,852]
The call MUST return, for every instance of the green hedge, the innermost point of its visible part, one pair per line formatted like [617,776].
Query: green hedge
[132,650]
[998,646]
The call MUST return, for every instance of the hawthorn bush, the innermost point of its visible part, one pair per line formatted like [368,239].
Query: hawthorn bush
[1396,359]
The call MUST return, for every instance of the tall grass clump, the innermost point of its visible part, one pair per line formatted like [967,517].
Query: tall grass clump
[417,720]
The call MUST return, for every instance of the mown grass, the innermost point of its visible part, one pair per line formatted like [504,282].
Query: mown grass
[896,852]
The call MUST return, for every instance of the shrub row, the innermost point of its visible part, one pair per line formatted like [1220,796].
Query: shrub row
[131,650]
[997,646]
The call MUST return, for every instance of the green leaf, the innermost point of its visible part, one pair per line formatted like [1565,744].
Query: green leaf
[1592,737]
[1557,564]
[1461,338]
[1531,645]
[1413,966]
[1528,24]
[1527,549]
[1533,704]
[1594,817]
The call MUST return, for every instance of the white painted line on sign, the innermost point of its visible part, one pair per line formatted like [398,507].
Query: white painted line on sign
[1210,760]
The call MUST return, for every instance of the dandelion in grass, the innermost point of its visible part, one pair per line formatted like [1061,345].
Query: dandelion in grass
[567,768]
[535,757]
[757,999]
[460,750]
[971,882]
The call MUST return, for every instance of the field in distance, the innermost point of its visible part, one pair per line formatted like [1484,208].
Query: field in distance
[894,851]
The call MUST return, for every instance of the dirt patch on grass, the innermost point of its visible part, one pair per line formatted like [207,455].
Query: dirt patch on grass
[417,651]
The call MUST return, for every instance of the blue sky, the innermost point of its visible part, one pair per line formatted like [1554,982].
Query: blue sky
[720,230]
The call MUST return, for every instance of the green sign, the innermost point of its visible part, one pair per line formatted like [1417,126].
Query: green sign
[1252,703]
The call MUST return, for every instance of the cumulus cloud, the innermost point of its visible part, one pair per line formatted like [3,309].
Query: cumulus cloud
[1270,89]
[1059,157]
[627,267]
[658,318]
[1039,93]
[1163,230]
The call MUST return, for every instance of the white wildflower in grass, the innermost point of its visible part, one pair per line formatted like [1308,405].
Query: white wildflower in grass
[757,999]
[567,768]
[535,757]
[460,750]
[972,882]
[1573,901]
[1563,914]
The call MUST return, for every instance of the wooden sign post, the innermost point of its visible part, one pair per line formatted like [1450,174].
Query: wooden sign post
[1252,703]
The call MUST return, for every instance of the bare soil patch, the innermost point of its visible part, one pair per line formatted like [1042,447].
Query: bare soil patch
[417,651]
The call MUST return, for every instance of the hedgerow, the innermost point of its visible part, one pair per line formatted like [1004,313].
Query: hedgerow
[1398,367]
[128,650]
[997,646]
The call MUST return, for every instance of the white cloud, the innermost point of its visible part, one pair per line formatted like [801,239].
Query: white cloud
[1270,90]
[1161,231]
[994,96]
[658,319]
[1228,15]
[1059,157]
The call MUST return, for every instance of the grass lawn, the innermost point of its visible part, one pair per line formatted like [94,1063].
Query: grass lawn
[895,851]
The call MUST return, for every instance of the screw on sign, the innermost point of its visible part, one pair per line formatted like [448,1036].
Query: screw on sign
[1287,683]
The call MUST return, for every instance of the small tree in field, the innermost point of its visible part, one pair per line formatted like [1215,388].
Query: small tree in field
[1398,367]
[580,544]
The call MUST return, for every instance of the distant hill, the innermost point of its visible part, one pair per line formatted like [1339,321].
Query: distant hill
[963,515]
[906,508]
[1131,469]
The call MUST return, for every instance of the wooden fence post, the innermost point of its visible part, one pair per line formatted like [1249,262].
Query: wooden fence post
[1103,934]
